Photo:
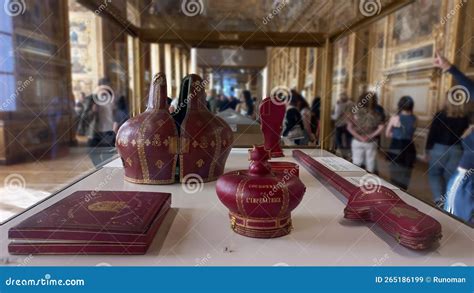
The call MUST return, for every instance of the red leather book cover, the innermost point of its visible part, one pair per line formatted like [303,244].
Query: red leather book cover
[90,247]
[77,248]
[102,216]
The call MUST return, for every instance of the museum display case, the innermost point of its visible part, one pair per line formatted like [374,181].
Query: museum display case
[166,119]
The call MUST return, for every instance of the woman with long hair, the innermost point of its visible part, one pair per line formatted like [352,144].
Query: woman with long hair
[293,129]
[402,152]
[305,113]
[246,105]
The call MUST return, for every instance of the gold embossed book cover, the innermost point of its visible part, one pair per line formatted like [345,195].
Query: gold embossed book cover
[94,221]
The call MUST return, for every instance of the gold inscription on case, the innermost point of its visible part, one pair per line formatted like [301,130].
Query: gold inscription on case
[107,206]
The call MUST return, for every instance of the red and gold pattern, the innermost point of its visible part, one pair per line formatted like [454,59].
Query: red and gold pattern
[260,199]
[148,143]
[205,139]
[409,226]
[154,142]
[93,222]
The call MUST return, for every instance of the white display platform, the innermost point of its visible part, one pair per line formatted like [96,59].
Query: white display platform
[199,231]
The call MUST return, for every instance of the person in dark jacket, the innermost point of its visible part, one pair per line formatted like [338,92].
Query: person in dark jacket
[444,149]
[221,103]
[460,194]
[121,113]
[233,101]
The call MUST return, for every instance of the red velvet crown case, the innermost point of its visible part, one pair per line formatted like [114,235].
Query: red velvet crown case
[260,199]
[153,144]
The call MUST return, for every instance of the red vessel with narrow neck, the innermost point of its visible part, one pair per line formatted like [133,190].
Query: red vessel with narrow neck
[157,147]
[261,198]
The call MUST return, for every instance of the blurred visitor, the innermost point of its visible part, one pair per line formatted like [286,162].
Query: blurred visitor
[460,194]
[256,106]
[232,100]
[79,108]
[402,151]
[223,103]
[85,116]
[341,114]
[212,101]
[101,129]
[79,105]
[293,129]
[381,111]
[121,113]
[246,105]
[54,112]
[365,125]
[303,106]
[315,117]
[103,134]
[443,147]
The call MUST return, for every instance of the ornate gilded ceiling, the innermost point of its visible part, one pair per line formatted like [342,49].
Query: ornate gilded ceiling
[251,15]
[184,19]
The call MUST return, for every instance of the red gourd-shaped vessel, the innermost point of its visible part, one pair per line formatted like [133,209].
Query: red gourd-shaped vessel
[260,199]
[148,143]
[205,140]
[154,144]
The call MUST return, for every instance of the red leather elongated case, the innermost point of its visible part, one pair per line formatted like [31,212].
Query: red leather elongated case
[408,225]
[360,203]
[283,168]
[380,205]
[260,199]
[90,222]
